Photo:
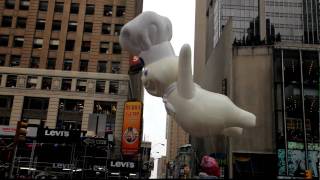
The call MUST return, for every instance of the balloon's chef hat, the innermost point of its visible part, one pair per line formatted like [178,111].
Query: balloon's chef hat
[148,36]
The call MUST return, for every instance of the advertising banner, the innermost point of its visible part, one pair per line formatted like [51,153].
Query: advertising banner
[131,130]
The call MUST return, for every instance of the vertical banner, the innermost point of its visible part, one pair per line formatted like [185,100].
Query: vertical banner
[131,130]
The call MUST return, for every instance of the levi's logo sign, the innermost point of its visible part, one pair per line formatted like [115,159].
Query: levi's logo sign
[120,164]
[56,133]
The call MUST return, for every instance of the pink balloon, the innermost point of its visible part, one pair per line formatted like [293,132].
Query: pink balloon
[210,166]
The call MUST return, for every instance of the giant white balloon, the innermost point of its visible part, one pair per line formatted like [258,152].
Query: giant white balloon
[199,112]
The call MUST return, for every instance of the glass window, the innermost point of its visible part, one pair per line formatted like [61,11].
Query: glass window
[58,7]
[43,5]
[9,4]
[104,47]
[6,21]
[74,9]
[102,66]
[100,86]
[113,87]
[107,10]
[121,11]
[117,29]
[24,4]
[67,64]
[40,25]
[32,82]
[2,59]
[56,25]
[115,67]
[69,45]
[70,114]
[87,27]
[90,9]
[4,40]
[110,110]
[84,65]
[37,43]
[18,41]
[66,84]
[34,62]
[51,64]
[116,48]
[11,81]
[72,26]
[85,46]
[81,85]
[46,83]
[21,22]
[54,44]
[106,28]
[14,60]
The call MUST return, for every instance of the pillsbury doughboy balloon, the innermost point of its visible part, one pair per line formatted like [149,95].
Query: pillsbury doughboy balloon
[199,112]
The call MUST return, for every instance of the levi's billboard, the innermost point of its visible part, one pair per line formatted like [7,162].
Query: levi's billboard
[131,130]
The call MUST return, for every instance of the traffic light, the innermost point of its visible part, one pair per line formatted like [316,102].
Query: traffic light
[21,131]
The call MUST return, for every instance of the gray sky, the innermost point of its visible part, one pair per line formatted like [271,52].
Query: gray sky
[182,15]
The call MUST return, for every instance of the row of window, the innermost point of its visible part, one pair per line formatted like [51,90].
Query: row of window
[54,44]
[102,66]
[66,84]
[74,8]
[56,25]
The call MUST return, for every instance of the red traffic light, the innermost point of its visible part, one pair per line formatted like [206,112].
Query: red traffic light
[21,131]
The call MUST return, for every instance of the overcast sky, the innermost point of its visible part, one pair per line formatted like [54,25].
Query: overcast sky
[182,15]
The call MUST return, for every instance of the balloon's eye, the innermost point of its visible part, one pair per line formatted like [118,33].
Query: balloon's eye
[145,72]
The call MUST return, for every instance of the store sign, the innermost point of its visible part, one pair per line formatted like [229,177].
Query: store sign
[131,130]
[54,133]
[120,164]
[57,135]
[7,130]
[92,141]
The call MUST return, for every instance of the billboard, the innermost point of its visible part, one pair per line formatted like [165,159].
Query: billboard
[131,129]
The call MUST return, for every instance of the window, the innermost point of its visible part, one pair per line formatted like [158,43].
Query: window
[18,41]
[90,9]
[2,59]
[100,86]
[121,11]
[43,5]
[70,114]
[40,25]
[104,47]
[58,7]
[32,82]
[56,25]
[72,26]
[37,43]
[83,65]
[46,83]
[87,27]
[51,64]
[6,21]
[24,4]
[106,28]
[11,81]
[85,46]
[14,60]
[74,9]
[34,62]
[4,40]
[69,45]
[66,84]
[21,22]
[107,10]
[81,85]
[117,29]
[115,67]
[102,66]
[9,4]
[113,87]
[67,64]
[53,44]
[116,48]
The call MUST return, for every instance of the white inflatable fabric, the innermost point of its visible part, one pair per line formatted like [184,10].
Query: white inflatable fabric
[199,112]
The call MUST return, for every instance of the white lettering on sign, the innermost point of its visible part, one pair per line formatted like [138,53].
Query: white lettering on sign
[120,164]
[62,166]
[56,133]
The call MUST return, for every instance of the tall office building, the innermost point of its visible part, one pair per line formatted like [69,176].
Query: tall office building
[276,78]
